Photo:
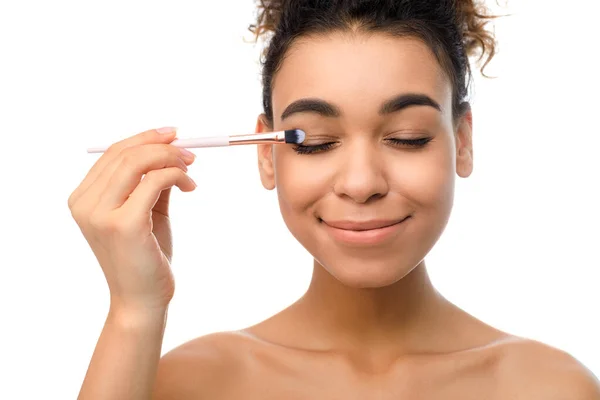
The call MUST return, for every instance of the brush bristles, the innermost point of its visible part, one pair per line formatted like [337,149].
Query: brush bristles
[295,136]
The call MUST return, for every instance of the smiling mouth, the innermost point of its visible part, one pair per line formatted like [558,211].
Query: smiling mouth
[364,233]
[362,226]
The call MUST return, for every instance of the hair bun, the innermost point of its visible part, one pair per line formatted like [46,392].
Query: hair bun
[472,17]
[269,15]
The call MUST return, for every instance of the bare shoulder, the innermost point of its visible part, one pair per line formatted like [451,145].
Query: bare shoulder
[533,370]
[201,368]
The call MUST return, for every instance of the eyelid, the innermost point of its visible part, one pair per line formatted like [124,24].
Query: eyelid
[319,136]
[308,143]
[317,142]
[408,132]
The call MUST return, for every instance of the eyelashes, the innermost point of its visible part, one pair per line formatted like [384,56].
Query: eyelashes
[401,143]
[300,149]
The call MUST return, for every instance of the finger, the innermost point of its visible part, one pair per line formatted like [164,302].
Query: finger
[121,177]
[146,194]
[150,136]
[96,192]
[162,205]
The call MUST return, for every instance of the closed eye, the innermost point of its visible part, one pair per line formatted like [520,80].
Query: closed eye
[414,143]
[305,149]
[317,148]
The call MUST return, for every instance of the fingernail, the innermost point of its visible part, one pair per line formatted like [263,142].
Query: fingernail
[187,153]
[166,130]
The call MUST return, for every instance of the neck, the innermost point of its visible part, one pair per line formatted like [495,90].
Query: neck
[403,315]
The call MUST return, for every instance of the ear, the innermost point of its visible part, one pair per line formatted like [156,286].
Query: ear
[265,155]
[464,145]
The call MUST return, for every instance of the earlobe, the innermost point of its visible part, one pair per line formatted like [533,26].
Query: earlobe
[265,156]
[464,146]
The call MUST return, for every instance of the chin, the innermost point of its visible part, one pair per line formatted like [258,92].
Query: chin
[366,274]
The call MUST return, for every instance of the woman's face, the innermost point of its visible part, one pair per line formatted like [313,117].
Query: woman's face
[370,190]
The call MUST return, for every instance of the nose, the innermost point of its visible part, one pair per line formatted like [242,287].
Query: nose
[361,176]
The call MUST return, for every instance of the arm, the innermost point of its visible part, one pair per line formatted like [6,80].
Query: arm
[125,361]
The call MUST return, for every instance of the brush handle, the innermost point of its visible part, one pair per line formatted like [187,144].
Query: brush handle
[236,140]
[215,141]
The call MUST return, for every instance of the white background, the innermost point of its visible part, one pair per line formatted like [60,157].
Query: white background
[520,252]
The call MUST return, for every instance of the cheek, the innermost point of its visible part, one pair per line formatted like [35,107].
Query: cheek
[426,179]
[300,183]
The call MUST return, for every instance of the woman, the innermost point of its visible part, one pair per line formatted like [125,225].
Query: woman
[380,88]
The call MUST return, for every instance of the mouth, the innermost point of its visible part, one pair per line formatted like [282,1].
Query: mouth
[370,232]
[363,225]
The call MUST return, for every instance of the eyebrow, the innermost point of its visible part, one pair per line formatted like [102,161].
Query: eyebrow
[326,109]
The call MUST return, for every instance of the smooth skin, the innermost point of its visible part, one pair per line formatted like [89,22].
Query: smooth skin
[125,220]
[370,325]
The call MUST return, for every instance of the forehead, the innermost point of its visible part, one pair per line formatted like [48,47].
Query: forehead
[358,71]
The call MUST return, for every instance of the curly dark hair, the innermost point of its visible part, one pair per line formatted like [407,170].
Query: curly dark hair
[454,30]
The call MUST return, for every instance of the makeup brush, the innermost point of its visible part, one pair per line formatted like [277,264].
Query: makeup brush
[290,136]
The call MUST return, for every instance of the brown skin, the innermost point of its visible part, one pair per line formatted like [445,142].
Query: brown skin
[370,325]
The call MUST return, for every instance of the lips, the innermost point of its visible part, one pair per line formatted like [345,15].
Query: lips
[364,233]
[362,225]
